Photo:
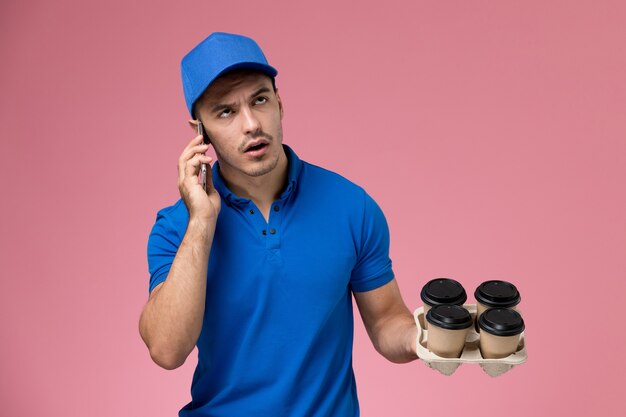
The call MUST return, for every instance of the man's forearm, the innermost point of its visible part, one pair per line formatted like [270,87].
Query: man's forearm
[396,338]
[171,321]
[389,323]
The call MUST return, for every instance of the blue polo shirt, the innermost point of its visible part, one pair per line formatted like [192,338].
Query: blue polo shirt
[277,334]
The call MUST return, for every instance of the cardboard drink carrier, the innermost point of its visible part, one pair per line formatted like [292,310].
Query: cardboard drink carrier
[471,352]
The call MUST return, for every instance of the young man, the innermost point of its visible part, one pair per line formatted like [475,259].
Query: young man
[259,270]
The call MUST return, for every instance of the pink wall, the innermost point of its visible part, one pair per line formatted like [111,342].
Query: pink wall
[492,134]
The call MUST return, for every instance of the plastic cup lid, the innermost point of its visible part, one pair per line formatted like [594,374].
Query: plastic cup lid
[501,322]
[449,316]
[443,291]
[496,293]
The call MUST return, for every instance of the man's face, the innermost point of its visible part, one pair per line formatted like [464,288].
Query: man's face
[242,115]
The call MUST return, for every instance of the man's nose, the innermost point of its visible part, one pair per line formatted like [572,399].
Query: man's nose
[251,123]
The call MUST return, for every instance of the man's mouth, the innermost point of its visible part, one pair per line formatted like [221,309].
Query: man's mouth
[256,145]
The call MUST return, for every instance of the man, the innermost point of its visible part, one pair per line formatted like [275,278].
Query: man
[259,270]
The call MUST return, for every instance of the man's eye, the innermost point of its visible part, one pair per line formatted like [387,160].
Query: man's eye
[225,113]
[260,100]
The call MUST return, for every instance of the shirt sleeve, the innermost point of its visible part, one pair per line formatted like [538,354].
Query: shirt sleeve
[373,266]
[163,244]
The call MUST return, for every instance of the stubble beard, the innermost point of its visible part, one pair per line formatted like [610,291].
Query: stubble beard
[266,168]
[270,164]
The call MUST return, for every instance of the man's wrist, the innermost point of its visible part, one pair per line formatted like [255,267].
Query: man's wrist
[201,225]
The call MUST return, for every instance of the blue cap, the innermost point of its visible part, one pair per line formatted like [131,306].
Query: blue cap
[216,55]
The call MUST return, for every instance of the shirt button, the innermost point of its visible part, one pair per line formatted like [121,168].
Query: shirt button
[272,231]
[264,232]
[251,211]
[276,208]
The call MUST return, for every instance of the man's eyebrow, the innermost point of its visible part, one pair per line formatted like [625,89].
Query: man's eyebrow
[263,89]
[220,106]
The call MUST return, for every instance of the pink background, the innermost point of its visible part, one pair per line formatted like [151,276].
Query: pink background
[492,134]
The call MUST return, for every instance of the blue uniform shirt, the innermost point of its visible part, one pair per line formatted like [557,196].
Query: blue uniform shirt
[277,334]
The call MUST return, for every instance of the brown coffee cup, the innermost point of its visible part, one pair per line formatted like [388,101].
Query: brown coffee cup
[440,291]
[495,294]
[448,328]
[500,332]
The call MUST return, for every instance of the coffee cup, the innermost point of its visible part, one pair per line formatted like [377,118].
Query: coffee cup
[500,332]
[441,291]
[495,294]
[448,327]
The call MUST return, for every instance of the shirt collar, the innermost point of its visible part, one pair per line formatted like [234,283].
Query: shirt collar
[294,166]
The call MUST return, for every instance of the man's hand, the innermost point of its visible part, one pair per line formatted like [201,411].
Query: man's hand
[201,205]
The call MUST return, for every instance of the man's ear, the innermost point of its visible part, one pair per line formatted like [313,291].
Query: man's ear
[194,125]
[280,104]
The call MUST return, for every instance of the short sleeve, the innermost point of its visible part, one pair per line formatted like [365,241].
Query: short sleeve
[163,244]
[373,266]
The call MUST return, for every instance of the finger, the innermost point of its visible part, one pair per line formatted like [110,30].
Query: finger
[192,168]
[209,180]
[197,139]
[184,167]
[193,142]
[189,152]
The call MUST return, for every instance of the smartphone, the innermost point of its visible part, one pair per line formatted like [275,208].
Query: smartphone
[203,167]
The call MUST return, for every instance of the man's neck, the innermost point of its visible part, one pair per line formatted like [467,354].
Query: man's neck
[263,190]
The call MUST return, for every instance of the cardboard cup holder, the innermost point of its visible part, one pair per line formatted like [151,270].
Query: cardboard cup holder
[471,351]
